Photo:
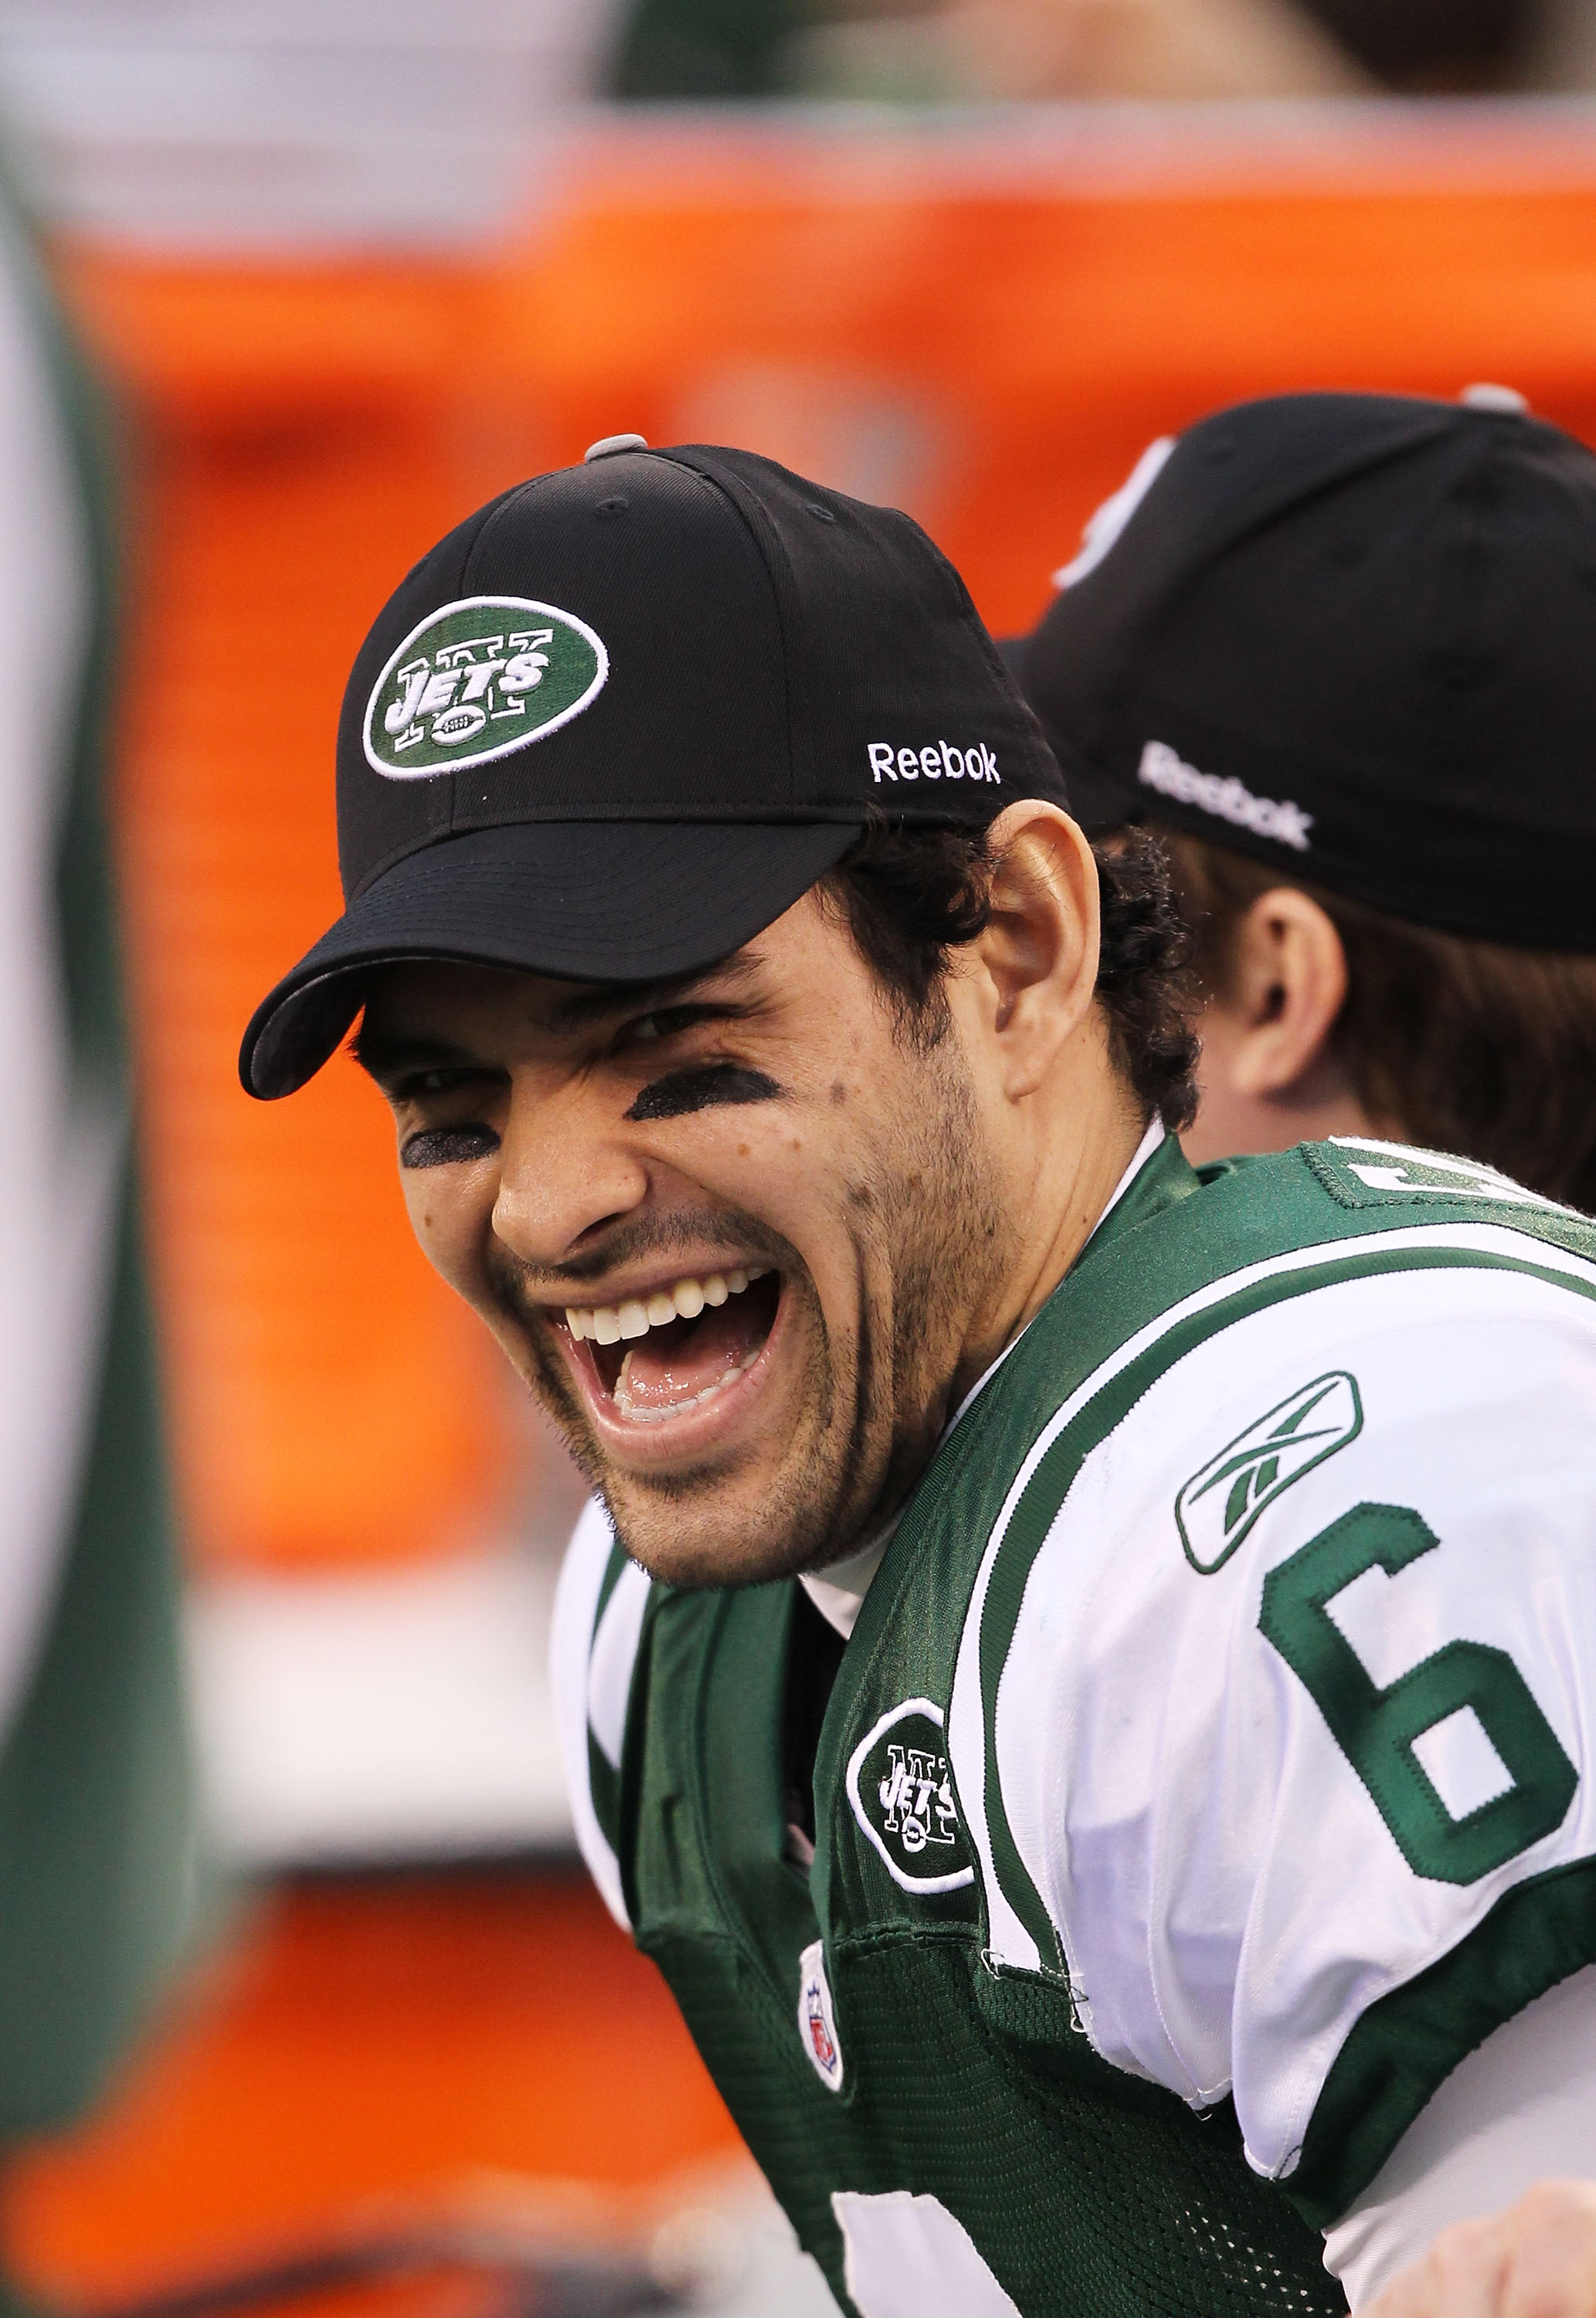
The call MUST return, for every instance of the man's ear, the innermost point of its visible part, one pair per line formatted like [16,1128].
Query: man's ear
[1286,985]
[1036,963]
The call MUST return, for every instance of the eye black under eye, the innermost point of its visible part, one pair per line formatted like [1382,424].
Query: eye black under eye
[680,1091]
[447,1146]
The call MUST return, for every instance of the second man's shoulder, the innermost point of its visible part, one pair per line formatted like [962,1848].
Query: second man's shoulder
[1352,1185]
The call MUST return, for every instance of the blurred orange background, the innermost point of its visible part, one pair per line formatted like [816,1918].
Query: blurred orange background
[366,2049]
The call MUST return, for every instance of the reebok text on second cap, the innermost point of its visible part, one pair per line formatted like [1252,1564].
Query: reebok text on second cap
[1354,635]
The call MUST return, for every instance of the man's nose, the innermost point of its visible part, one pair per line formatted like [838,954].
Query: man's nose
[565,1174]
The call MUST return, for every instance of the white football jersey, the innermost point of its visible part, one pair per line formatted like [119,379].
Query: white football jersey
[1230,1682]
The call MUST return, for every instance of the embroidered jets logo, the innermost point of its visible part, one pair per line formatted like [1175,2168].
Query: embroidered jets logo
[817,2026]
[901,1794]
[1224,1498]
[476,680]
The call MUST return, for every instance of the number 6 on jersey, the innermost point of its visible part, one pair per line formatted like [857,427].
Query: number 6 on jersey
[1376,1728]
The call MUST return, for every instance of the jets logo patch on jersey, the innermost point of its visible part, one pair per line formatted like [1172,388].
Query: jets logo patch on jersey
[901,1794]
[816,2023]
[1218,1507]
[476,679]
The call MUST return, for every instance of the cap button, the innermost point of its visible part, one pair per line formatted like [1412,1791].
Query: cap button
[1485,397]
[607,445]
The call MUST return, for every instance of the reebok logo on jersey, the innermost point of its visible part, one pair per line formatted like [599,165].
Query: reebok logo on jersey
[1224,1498]
[941,762]
[476,679]
[816,2023]
[1162,769]
[901,1794]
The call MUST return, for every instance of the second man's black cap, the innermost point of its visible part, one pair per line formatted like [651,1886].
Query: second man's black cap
[1353,635]
[626,714]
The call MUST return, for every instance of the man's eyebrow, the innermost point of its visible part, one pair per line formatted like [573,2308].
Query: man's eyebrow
[386,1055]
[597,1002]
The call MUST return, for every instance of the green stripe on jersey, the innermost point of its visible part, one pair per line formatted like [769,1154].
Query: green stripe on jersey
[1410,2041]
[603,1779]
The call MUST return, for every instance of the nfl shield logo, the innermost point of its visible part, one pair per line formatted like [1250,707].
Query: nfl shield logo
[817,2025]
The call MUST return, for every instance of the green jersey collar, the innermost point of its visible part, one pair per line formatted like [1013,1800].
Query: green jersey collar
[1158,1177]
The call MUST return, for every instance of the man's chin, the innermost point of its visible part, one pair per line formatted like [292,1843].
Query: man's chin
[763,1508]
[734,1545]
[794,1492]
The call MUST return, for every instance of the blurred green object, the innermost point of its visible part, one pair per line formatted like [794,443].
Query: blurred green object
[97,1869]
[705,48]
[97,1801]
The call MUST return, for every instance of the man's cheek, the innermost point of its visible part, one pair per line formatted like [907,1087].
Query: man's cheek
[447,1239]
[772,1162]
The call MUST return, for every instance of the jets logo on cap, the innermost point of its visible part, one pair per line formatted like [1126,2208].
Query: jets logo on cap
[478,679]
[1225,1497]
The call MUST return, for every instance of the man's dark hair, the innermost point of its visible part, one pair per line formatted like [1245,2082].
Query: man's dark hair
[1477,1047]
[911,897]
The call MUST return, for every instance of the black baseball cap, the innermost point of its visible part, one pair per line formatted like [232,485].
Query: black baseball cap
[621,717]
[1353,635]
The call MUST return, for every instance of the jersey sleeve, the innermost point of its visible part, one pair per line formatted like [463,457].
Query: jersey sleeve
[597,1626]
[1521,2109]
[1273,1721]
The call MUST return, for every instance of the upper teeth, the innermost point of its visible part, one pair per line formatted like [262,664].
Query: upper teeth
[606,1324]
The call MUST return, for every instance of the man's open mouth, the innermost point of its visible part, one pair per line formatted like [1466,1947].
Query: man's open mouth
[657,1356]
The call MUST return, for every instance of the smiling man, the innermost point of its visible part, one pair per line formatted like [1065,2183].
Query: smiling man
[1079,1672]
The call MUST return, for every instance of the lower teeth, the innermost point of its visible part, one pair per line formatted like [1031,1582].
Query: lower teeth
[659,1416]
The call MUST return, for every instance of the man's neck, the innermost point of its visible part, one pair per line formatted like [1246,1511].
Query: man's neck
[1070,1199]
[838,1592]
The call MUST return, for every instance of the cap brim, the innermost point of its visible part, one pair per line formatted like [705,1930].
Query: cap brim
[581,900]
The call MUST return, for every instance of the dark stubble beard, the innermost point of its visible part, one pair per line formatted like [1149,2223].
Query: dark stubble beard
[930,1242]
